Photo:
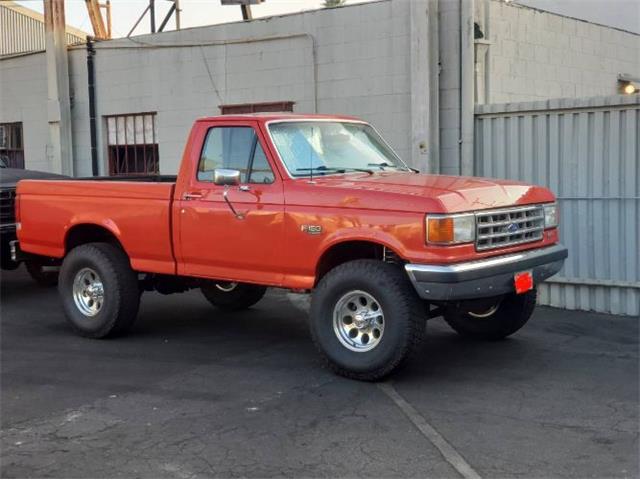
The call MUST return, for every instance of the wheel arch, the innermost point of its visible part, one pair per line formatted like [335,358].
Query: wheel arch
[355,249]
[82,233]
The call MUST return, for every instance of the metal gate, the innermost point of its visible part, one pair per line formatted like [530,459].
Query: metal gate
[588,152]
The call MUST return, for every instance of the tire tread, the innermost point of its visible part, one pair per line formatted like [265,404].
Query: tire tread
[393,279]
[115,263]
[511,316]
[242,297]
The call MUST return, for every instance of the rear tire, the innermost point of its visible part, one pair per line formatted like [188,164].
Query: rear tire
[44,278]
[99,290]
[366,319]
[233,296]
[511,314]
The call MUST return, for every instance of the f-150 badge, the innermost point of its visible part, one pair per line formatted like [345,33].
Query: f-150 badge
[311,229]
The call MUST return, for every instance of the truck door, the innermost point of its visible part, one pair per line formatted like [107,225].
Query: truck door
[214,242]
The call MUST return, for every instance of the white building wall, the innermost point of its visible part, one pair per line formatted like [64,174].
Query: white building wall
[353,60]
[80,113]
[23,98]
[536,55]
[361,58]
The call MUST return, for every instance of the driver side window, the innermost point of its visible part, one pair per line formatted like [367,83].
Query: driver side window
[237,148]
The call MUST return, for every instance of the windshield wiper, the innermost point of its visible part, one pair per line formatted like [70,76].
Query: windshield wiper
[384,165]
[325,169]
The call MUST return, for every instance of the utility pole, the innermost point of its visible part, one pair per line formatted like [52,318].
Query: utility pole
[176,4]
[152,15]
[59,103]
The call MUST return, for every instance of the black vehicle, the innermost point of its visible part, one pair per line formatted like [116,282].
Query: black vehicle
[9,177]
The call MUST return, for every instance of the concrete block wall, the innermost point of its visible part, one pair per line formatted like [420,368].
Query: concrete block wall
[80,113]
[23,98]
[361,68]
[353,60]
[537,55]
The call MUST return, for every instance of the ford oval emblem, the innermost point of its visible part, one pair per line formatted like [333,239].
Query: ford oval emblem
[512,228]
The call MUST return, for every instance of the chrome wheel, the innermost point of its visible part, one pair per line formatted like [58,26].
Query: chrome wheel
[226,286]
[88,292]
[358,321]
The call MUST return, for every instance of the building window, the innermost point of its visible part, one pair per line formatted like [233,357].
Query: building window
[284,106]
[11,145]
[133,144]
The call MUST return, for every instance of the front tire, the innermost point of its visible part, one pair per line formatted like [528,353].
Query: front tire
[366,319]
[233,296]
[505,318]
[99,290]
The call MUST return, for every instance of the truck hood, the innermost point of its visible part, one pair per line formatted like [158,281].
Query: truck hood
[437,193]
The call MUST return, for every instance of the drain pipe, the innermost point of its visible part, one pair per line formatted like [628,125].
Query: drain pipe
[91,75]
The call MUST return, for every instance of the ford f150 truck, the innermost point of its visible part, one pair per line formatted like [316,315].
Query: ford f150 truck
[309,203]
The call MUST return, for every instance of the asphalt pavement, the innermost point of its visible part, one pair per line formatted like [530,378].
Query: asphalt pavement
[195,392]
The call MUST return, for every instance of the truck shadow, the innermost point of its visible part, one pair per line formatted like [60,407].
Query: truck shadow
[189,325]
[447,356]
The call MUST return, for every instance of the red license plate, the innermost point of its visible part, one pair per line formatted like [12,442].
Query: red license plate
[523,282]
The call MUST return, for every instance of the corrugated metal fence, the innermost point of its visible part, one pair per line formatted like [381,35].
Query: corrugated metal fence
[588,152]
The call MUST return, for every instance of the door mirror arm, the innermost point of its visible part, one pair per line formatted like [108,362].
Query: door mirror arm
[228,177]
[239,216]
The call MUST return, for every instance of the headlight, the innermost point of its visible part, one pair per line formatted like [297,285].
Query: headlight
[551,215]
[451,229]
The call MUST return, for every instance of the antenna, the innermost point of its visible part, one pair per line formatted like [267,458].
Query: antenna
[311,160]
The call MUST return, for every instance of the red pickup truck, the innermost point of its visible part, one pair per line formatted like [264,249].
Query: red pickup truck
[309,203]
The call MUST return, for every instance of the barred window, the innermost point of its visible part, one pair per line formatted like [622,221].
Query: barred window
[132,144]
[11,145]
[243,108]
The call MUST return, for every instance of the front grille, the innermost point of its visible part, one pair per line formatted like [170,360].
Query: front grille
[7,206]
[509,226]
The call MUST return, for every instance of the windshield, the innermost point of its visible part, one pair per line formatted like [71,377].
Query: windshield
[332,147]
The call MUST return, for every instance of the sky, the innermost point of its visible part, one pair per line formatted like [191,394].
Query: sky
[623,14]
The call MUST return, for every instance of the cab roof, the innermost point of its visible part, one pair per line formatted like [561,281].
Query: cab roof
[276,116]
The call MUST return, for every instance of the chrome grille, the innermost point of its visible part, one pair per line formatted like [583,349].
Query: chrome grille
[509,226]
[7,206]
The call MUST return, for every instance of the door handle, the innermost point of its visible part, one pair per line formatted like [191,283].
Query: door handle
[192,196]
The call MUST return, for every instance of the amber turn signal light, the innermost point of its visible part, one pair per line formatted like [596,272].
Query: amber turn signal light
[440,230]
[451,229]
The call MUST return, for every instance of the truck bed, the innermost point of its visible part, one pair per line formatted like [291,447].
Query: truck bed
[136,210]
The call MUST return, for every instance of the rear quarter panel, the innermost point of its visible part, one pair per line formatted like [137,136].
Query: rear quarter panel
[136,213]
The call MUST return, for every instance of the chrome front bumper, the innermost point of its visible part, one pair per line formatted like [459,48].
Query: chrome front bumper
[484,278]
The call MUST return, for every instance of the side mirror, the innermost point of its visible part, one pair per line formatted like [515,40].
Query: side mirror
[226,176]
